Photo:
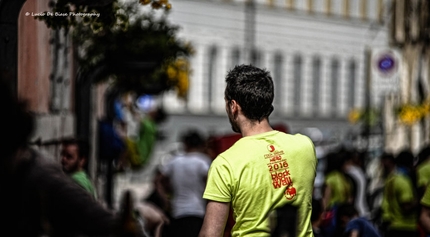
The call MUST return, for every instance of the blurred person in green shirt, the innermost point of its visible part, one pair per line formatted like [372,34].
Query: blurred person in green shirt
[425,211]
[399,204]
[74,160]
[337,186]
[423,169]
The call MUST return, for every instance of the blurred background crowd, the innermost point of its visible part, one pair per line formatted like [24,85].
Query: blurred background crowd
[134,82]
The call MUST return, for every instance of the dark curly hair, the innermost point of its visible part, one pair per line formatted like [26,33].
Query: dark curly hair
[252,89]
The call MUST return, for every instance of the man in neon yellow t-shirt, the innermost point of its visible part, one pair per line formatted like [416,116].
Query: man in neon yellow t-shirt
[399,203]
[264,170]
[423,169]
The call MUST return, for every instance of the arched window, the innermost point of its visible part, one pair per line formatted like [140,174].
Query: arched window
[363,10]
[212,66]
[255,58]
[277,78]
[346,8]
[235,57]
[328,7]
[352,71]
[310,6]
[334,77]
[297,83]
[316,84]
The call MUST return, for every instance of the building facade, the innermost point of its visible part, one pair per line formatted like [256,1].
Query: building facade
[314,49]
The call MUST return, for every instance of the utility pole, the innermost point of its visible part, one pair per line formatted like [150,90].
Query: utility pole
[368,96]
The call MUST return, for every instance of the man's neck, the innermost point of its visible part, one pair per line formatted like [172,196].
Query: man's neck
[250,128]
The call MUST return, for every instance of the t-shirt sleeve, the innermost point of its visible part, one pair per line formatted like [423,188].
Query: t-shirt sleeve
[425,200]
[219,183]
[404,190]
[204,168]
[166,169]
[353,225]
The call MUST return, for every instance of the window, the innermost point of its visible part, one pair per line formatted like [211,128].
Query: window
[328,7]
[346,8]
[310,6]
[297,83]
[316,84]
[351,83]
[334,86]
[235,57]
[255,58]
[290,5]
[211,74]
[363,9]
[277,78]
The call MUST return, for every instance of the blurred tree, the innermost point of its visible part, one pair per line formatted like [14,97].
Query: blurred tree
[138,47]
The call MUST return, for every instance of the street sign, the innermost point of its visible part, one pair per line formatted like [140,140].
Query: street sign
[385,71]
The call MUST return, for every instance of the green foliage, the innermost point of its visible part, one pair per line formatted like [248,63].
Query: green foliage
[137,45]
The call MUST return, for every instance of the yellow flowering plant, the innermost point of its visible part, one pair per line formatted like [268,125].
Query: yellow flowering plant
[410,113]
[138,48]
[369,116]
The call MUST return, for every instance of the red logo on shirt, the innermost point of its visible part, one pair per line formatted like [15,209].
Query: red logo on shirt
[290,192]
[271,148]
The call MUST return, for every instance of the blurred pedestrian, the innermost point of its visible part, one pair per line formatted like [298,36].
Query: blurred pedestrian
[316,217]
[399,205]
[425,211]
[337,190]
[264,170]
[423,169]
[159,196]
[337,186]
[354,164]
[38,198]
[154,219]
[141,135]
[352,225]
[148,134]
[186,174]
[74,160]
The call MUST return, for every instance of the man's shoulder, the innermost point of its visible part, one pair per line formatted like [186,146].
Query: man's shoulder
[424,167]
[299,143]
[80,175]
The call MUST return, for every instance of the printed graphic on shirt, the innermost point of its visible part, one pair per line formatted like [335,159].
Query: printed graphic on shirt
[278,168]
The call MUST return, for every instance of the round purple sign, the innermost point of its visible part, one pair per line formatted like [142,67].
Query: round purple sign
[386,63]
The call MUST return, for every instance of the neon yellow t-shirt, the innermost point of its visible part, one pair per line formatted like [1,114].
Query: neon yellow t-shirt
[339,186]
[261,173]
[425,200]
[398,189]
[423,174]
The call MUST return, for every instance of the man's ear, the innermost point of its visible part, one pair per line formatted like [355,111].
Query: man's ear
[82,162]
[235,108]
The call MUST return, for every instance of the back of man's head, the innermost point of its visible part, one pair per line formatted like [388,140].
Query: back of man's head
[82,145]
[252,89]
[405,159]
[346,210]
[192,140]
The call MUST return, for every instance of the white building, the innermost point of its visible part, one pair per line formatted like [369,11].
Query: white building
[314,49]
